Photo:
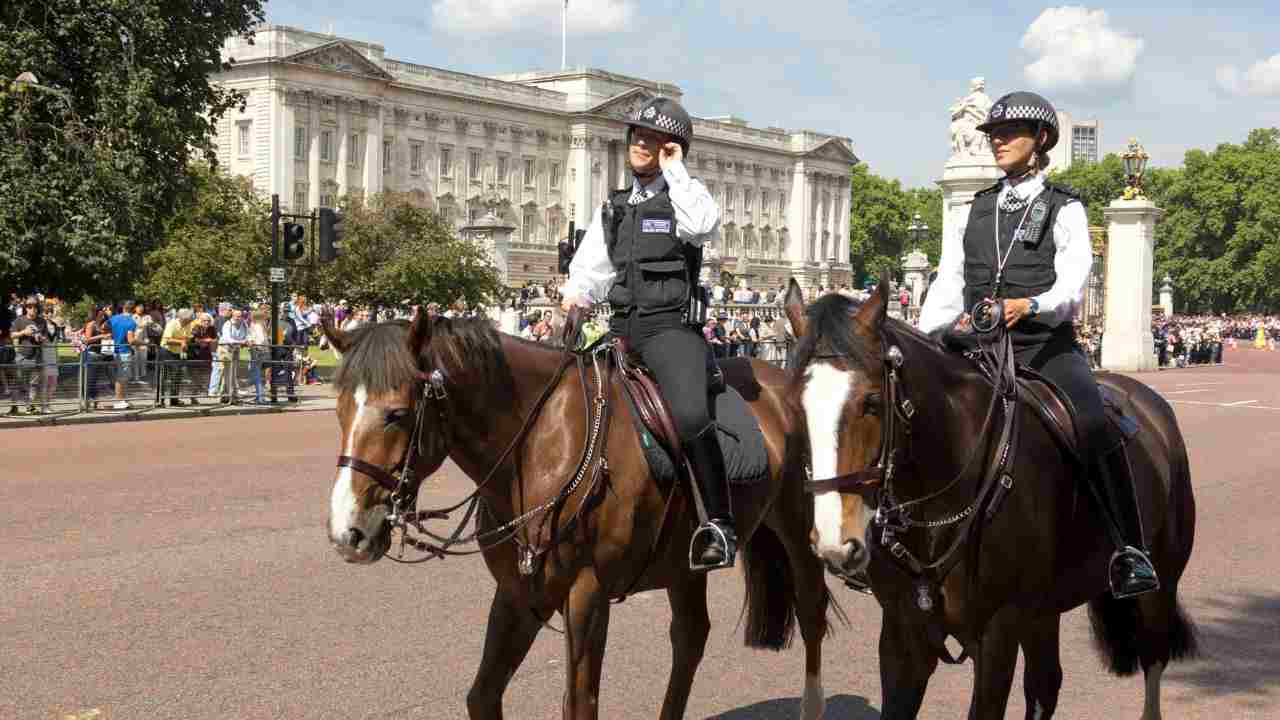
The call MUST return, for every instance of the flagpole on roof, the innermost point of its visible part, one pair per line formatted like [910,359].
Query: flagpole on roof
[564,36]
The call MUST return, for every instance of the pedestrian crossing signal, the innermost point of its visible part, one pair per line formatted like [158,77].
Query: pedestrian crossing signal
[330,234]
[294,241]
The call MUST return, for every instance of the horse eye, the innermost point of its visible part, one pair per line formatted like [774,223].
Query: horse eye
[396,417]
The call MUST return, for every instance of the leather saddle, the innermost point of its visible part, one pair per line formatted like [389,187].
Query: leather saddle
[1059,415]
[654,413]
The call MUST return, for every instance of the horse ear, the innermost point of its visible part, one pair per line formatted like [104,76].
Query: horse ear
[871,316]
[339,339]
[420,331]
[794,306]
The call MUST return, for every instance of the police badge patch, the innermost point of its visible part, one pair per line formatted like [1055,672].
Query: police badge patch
[997,112]
[649,112]
[653,225]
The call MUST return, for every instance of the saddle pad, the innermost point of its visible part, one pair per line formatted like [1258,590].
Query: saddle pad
[741,440]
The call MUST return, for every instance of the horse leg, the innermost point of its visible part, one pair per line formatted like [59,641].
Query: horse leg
[586,628]
[906,663]
[812,601]
[690,626]
[1164,633]
[507,640]
[994,665]
[1042,676]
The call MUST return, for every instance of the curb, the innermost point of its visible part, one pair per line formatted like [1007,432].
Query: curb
[164,414]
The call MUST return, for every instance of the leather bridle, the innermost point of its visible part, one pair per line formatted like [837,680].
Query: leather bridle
[892,517]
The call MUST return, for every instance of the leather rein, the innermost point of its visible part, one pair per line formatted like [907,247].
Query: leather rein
[893,518]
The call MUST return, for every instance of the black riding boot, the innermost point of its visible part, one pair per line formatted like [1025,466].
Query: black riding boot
[714,543]
[1131,572]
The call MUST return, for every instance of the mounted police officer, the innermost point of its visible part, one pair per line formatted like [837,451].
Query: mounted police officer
[1027,243]
[642,253]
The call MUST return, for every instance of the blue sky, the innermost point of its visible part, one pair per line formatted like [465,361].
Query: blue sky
[1175,75]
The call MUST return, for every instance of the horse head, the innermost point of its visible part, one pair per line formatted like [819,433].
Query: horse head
[391,435]
[838,381]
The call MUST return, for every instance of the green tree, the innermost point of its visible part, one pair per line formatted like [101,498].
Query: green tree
[1098,184]
[1220,238]
[93,156]
[218,243]
[880,212]
[395,250]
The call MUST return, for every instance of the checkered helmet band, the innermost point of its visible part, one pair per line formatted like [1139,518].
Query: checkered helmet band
[666,116]
[1023,106]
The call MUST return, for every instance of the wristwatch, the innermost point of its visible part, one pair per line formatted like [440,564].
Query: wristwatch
[1034,308]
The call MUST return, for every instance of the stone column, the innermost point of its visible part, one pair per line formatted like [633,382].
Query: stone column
[373,152]
[1166,296]
[579,163]
[344,152]
[1127,344]
[284,153]
[961,180]
[915,271]
[313,156]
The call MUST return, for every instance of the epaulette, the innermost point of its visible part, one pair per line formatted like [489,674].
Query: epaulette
[988,190]
[1064,189]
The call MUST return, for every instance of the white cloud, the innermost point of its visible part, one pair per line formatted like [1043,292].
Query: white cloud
[1260,80]
[498,17]
[1077,49]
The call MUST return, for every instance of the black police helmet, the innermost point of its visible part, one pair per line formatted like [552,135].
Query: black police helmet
[666,116]
[1024,107]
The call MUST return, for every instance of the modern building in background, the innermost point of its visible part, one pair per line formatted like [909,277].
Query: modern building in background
[1078,141]
[328,117]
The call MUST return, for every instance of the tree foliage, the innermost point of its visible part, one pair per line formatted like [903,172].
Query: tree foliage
[219,244]
[881,210]
[395,250]
[93,158]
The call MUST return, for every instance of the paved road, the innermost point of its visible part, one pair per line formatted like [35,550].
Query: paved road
[179,569]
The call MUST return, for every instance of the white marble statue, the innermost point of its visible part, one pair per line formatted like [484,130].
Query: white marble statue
[969,112]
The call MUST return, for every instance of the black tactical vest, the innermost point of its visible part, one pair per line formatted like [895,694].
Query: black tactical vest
[1029,270]
[655,268]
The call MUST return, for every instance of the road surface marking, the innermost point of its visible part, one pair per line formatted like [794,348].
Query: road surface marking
[1180,392]
[1242,402]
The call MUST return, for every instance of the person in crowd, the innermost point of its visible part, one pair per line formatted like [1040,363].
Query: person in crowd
[7,354]
[174,343]
[233,336]
[753,333]
[141,348]
[29,335]
[123,338]
[49,357]
[92,360]
[200,349]
[259,342]
[283,361]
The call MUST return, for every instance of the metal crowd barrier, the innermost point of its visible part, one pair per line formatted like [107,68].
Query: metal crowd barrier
[60,380]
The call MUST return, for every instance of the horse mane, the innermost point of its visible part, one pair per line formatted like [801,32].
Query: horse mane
[831,332]
[379,357]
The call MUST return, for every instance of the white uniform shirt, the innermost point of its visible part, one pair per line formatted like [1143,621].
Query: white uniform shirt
[1072,261]
[591,273]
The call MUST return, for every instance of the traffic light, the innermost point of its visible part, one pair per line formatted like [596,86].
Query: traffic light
[295,245]
[330,234]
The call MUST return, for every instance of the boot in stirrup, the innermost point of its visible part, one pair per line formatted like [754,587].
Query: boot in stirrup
[714,544]
[1130,571]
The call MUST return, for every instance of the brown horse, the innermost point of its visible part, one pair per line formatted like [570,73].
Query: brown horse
[896,428]
[512,415]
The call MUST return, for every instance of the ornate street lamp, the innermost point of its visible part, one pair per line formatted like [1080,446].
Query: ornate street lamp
[917,230]
[1135,164]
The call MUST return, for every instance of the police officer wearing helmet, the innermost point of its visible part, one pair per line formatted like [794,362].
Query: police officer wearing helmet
[1027,243]
[642,253]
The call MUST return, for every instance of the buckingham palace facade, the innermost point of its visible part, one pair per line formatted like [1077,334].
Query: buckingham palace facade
[328,117]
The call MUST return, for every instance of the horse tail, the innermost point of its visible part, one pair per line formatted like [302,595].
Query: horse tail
[1122,639]
[770,606]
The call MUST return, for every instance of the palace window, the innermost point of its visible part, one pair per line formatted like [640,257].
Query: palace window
[300,199]
[446,162]
[746,199]
[473,164]
[764,201]
[502,169]
[244,129]
[782,203]
[300,142]
[530,220]
[555,175]
[326,145]
[415,158]
[528,172]
[386,157]
[728,197]
[353,150]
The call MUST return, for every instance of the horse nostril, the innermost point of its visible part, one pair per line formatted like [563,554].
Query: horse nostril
[352,538]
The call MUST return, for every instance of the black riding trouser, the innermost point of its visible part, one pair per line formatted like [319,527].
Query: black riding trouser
[677,357]
[1063,361]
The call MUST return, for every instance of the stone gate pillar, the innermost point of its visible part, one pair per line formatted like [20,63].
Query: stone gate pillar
[1166,296]
[1127,344]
